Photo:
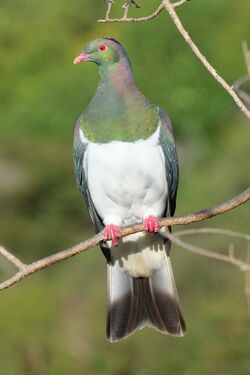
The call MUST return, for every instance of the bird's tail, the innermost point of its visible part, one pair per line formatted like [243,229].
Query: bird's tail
[136,302]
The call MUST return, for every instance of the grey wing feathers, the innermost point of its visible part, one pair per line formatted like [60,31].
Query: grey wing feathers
[79,151]
[171,160]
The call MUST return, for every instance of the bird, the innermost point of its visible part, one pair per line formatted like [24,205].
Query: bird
[126,168]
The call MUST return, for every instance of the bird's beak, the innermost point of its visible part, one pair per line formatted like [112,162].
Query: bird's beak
[81,57]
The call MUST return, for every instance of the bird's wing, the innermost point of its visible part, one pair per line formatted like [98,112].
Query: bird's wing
[81,180]
[79,151]
[171,160]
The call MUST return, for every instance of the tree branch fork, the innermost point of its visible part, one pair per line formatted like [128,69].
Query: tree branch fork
[170,8]
[25,270]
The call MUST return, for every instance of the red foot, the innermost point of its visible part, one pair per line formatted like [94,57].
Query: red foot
[151,224]
[112,232]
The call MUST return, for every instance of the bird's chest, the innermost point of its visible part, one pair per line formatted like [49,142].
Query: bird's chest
[124,178]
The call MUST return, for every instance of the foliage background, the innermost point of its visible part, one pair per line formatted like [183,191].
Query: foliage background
[54,322]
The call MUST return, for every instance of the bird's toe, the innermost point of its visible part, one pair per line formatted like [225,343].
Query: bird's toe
[112,233]
[151,224]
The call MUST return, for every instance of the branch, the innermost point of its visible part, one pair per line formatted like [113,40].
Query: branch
[247,282]
[11,258]
[224,232]
[246,53]
[26,270]
[229,258]
[170,8]
[137,19]
[243,93]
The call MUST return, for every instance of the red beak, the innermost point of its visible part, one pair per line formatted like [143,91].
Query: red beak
[81,57]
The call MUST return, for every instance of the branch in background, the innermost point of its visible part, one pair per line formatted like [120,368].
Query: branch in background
[109,6]
[26,270]
[247,281]
[228,258]
[127,5]
[243,93]
[12,258]
[139,19]
[170,8]
[246,53]
[224,232]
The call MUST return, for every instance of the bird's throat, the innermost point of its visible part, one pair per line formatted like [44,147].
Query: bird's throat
[118,110]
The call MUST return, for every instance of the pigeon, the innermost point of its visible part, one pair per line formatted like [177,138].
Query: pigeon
[126,167]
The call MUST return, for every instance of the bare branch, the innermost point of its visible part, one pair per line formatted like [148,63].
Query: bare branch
[109,3]
[11,258]
[170,8]
[126,7]
[26,270]
[230,258]
[139,19]
[246,53]
[247,284]
[224,232]
[179,3]
[242,93]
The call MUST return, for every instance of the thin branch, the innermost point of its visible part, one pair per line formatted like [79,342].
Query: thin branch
[247,284]
[170,8]
[246,53]
[110,3]
[27,270]
[179,3]
[139,19]
[11,258]
[242,93]
[224,232]
[230,258]
[127,5]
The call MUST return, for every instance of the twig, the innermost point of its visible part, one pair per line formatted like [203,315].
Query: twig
[27,270]
[11,258]
[170,8]
[110,3]
[246,54]
[230,258]
[179,3]
[136,19]
[224,232]
[247,284]
[242,93]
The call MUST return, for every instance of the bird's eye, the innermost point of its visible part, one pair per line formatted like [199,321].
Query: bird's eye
[102,48]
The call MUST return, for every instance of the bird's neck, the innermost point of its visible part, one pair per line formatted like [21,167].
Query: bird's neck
[118,110]
[117,77]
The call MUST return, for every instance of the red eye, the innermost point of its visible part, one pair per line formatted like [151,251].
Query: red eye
[102,48]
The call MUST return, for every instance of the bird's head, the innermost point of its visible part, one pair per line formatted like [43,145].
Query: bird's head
[102,51]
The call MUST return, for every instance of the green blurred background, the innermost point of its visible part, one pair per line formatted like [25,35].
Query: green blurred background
[54,321]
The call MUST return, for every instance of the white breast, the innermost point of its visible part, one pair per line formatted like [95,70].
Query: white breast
[127,181]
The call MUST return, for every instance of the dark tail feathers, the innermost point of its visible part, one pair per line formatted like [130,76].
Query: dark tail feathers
[136,302]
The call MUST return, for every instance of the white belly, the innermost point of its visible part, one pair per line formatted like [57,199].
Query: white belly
[127,181]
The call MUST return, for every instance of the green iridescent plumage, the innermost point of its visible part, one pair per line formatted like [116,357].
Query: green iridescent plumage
[112,114]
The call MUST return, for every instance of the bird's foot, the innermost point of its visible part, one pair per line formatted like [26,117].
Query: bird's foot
[111,233]
[151,224]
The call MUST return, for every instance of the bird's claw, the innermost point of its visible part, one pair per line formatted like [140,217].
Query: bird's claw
[111,233]
[151,224]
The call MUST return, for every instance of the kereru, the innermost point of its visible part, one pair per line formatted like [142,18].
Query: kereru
[127,170]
